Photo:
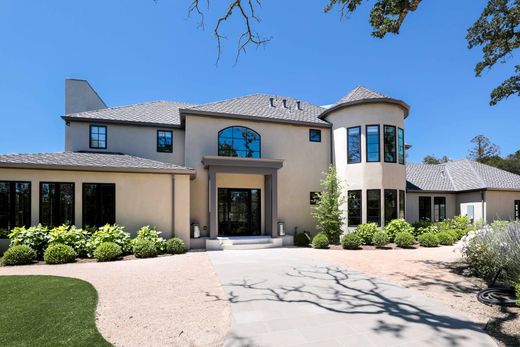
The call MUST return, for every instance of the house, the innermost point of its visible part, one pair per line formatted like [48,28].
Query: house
[246,166]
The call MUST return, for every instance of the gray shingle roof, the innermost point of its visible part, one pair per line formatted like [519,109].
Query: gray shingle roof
[361,93]
[89,161]
[459,175]
[258,106]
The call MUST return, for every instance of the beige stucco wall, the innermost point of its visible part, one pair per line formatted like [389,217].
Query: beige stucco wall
[181,203]
[302,170]
[500,205]
[140,141]
[471,198]
[412,205]
[141,199]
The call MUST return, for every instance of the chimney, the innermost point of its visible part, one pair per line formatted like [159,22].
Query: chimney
[284,102]
[299,105]
[271,102]
[80,97]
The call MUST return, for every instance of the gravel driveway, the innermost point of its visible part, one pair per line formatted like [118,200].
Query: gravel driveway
[165,301]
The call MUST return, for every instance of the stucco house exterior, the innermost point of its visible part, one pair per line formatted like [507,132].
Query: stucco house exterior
[246,166]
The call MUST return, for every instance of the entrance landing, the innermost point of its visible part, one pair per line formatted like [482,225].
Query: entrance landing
[247,242]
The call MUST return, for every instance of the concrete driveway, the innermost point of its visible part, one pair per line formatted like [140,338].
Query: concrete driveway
[282,297]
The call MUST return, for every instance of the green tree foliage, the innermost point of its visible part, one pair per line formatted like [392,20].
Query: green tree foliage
[432,159]
[327,212]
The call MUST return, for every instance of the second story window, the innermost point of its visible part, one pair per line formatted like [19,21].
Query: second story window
[314,135]
[237,141]
[373,143]
[400,145]
[354,145]
[98,136]
[164,141]
[389,143]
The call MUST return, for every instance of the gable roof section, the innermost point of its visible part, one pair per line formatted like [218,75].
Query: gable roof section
[89,161]
[458,176]
[361,93]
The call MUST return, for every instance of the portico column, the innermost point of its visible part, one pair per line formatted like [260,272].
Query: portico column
[274,203]
[213,213]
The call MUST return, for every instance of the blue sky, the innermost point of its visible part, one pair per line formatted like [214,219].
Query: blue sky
[141,50]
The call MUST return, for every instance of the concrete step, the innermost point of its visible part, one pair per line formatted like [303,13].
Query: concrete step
[247,242]
[249,246]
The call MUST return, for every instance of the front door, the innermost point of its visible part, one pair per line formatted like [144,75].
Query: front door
[238,212]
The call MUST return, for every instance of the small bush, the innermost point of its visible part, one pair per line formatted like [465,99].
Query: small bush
[175,246]
[320,241]
[111,233]
[366,232]
[302,239]
[397,226]
[428,240]
[432,228]
[404,239]
[108,251]
[59,254]
[447,238]
[460,222]
[151,234]
[144,248]
[71,236]
[351,241]
[19,255]
[380,239]
[517,289]
[35,237]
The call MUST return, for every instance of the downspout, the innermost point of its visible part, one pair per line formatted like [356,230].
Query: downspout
[173,205]
[483,202]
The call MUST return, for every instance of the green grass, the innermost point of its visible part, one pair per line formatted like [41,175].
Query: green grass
[48,311]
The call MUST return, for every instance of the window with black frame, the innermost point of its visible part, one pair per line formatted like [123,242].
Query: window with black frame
[402,204]
[517,210]
[98,137]
[99,204]
[237,141]
[389,143]
[425,208]
[400,146]
[15,204]
[56,203]
[164,141]
[390,205]
[373,143]
[314,135]
[374,206]
[354,145]
[439,208]
[354,207]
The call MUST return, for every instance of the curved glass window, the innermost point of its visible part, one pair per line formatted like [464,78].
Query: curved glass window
[239,141]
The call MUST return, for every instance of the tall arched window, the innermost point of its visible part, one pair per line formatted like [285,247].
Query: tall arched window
[237,141]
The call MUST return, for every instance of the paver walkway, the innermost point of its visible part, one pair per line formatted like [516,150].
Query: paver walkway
[281,297]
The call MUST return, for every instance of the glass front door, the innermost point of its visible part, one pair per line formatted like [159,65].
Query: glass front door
[238,212]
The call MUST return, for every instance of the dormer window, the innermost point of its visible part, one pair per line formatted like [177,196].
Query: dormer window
[164,141]
[98,137]
[237,141]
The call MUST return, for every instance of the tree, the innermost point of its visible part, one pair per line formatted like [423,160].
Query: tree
[432,159]
[484,150]
[496,30]
[327,211]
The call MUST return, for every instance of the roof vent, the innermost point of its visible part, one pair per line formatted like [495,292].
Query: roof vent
[271,102]
[284,101]
[299,105]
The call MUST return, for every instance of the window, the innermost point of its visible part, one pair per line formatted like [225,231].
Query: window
[314,135]
[374,206]
[164,141]
[98,136]
[354,207]
[517,210]
[99,204]
[314,197]
[425,208]
[354,145]
[239,141]
[402,204]
[389,143]
[439,208]
[15,204]
[56,203]
[372,143]
[390,205]
[400,145]
[470,212]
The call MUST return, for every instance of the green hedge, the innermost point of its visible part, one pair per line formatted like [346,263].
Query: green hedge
[404,239]
[59,254]
[351,241]
[320,241]
[175,246]
[380,239]
[144,248]
[108,251]
[428,240]
[19,255]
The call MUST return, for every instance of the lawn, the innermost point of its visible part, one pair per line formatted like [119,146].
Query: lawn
[48,311]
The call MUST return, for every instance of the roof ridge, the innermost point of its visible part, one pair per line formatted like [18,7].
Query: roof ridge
[224,100]
[448,173]
[130,105]
[470,163]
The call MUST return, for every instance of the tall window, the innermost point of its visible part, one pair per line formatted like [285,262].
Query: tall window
[400,145]
[98,136]
[99,204]
[354,145]
[15,204]
[373,143]
[390,205]
[517,210]
[56,203]
[389,143]
[354,207]
[239,141]
[439,208]
[374,206]
[314,135]
[402,204]
[425,208]
[164,141]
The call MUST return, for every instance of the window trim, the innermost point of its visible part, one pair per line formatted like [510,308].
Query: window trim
[360,207]
[310,137]
[378,143]
[240,126]
[379,206]
[402,199]
[348,146]
[90,136]
[424,197]
[157,144]
[440,204]
[398,148]
[12,200]
[73,221]
[395,143]
[83,200]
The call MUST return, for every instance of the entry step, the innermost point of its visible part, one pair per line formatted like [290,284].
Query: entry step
[248,242]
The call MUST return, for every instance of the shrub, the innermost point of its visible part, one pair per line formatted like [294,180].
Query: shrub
[108,251]
[302,239]
[366,232]
[19,255]
[35,237]
[443,225]
[59,254]
[380,239]
[428,240]
[110,233]
[71,236]
[397,226]
[404,239]
[460,222]
[446,238]
[351,241]
[4,234]
[320,241]
[175,246]
[151,234]
[144,248]
[432,228]
[517,290]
